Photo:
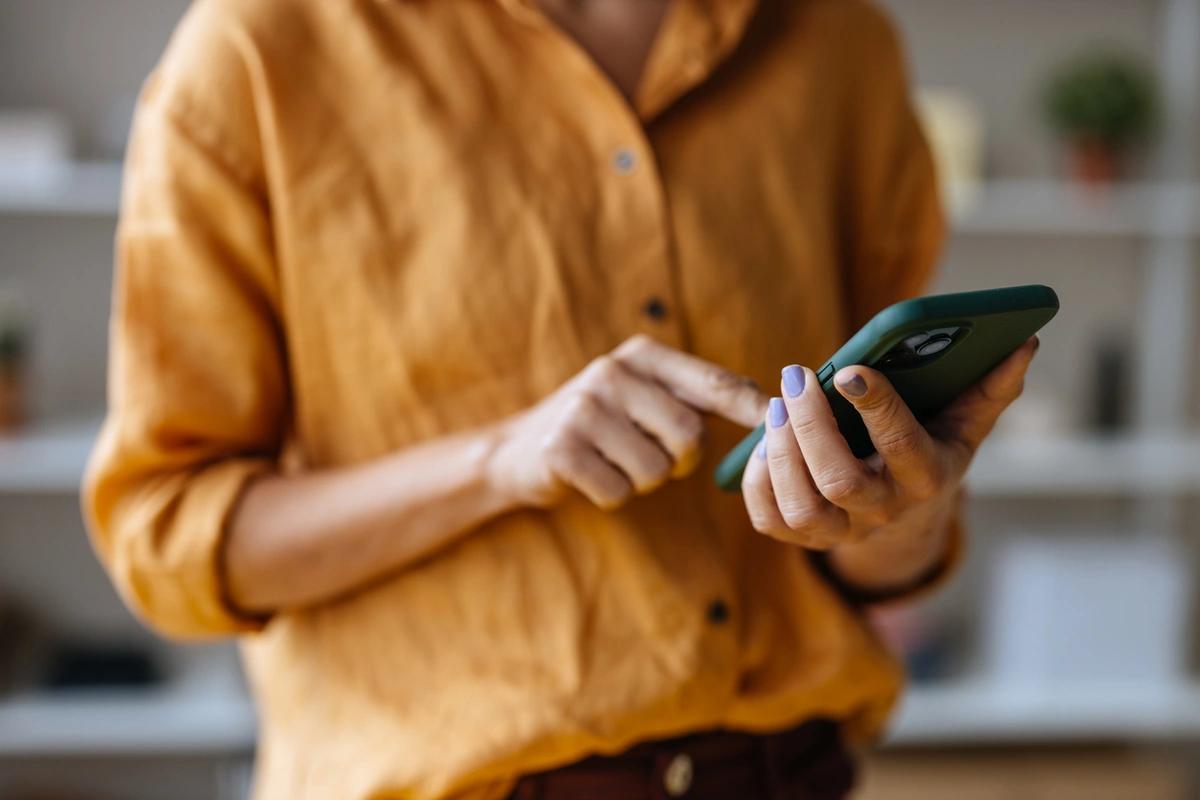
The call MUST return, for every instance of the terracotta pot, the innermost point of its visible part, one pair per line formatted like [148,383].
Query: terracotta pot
[12,397]
[1095,163]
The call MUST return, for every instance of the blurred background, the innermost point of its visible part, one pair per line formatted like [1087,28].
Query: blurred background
[1062,662]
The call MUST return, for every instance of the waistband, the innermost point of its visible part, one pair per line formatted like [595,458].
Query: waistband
[808,762]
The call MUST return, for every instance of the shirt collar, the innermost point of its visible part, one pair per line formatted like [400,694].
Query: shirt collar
[694,38]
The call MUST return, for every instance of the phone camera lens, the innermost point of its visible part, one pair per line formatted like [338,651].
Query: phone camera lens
[933,345]
[915,341]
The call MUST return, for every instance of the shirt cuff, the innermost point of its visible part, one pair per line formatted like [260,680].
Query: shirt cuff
[169,550]
[933,578]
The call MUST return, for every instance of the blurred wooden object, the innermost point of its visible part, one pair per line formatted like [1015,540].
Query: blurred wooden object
[1069,774]
[12,397]
[14,352]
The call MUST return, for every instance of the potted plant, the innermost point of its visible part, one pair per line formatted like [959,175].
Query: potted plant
[14,341]
[1103,103]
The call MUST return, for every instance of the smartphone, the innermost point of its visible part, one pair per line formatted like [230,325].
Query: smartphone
[932,349]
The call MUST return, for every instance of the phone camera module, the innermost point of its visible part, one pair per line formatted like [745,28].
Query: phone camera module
[921,348]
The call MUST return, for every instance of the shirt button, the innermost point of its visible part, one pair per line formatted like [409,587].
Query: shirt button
[655,309]
[718,612]
[624,161]
[677,777]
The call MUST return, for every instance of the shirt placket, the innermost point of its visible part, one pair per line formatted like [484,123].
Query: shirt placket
[635,247]
[637,227]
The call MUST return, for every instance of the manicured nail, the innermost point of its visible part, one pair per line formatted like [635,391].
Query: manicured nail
[776,412]
[854,386]
[793,380]
[761,450]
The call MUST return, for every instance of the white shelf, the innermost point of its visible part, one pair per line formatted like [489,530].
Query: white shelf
[1012,206]
[81,188]
[184,720]
[1034,207]
[982,713]
[177,719]
[1142,465]
[47,458]
[50,458]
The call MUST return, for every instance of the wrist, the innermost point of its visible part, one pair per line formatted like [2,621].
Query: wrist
[900,554]
[497,474]
[921,527]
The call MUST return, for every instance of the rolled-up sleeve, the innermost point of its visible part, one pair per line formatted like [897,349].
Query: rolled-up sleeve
[197,388]
[896,227]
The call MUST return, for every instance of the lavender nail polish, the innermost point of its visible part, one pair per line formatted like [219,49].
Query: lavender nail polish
[854,386]
[793,380]
[761,450]
[776,412]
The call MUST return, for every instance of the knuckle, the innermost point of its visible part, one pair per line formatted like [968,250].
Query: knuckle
[613,498]
[757,505]
[638,343]
[805,425]
[722,381]
[556,444]
[563,464]
[735,395]
[800,515]
[603,369]
[829,538]
[841,487]
[754,485]
[655,469]
[572,460]
[686,438]
[689,424]
[883,406]
[779,458]
[900,441]
[762,523]
[583,407]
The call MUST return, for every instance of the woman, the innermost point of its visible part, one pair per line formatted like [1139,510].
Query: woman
[424,310]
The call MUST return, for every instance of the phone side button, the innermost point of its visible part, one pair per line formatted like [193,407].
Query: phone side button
[826,372]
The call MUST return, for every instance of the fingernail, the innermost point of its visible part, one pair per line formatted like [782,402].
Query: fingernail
[761,450]
[854,386]
[777,412]
[793,380]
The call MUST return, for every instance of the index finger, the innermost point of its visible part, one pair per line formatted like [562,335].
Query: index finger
[699,383]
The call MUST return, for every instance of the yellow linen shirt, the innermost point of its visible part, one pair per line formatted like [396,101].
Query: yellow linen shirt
[353,225]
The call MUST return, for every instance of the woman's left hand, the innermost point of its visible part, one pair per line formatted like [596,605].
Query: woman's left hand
[805,487]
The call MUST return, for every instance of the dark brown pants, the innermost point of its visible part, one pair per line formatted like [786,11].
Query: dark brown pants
[806,763]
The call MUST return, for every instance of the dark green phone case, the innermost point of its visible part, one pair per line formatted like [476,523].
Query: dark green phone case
[991,324]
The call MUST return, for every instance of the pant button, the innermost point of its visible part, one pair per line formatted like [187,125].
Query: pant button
[677,777]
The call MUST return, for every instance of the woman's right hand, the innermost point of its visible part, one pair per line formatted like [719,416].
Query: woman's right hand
[625,425]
